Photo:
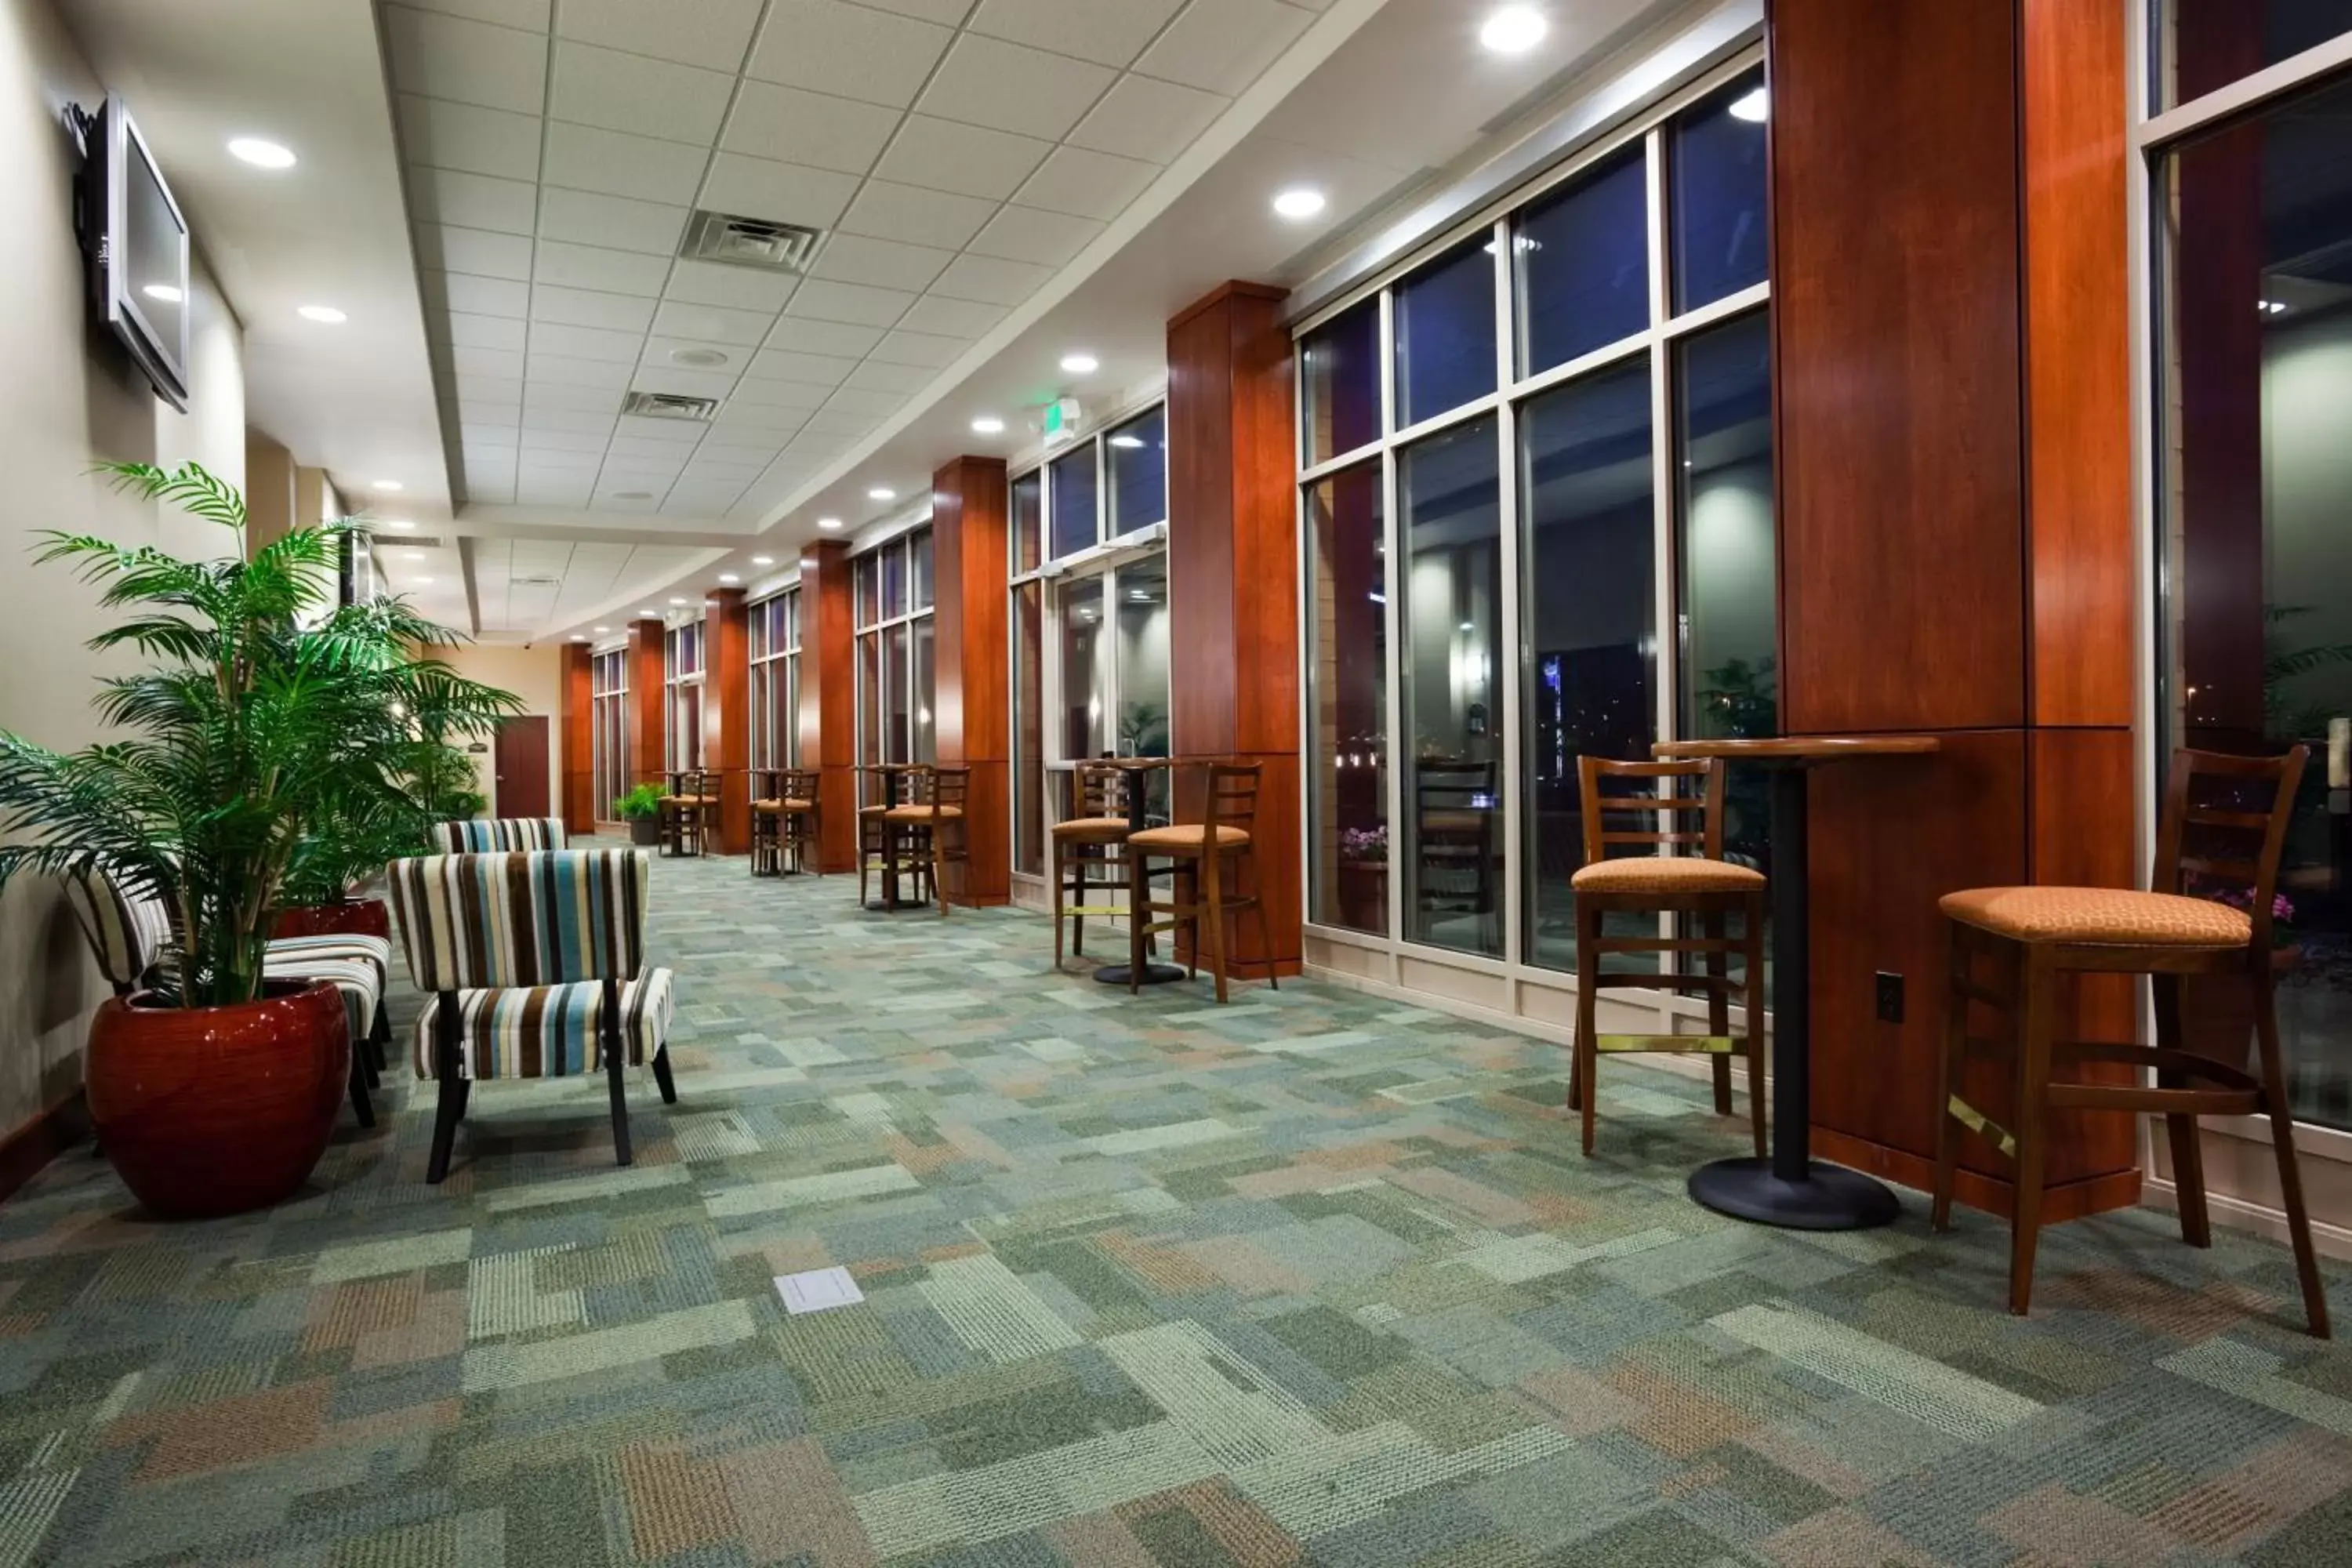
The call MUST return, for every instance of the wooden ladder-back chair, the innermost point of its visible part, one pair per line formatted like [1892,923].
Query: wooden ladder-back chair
[1208,856]
[933,830]
[1088,846]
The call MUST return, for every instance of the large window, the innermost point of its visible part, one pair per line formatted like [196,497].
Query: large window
[608,685]
[776,682]
[1535,490]
[2253,351]
[682,688]
[893,587]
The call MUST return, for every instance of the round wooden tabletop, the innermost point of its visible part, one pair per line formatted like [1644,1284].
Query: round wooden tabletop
[1136,765]
[1800,748]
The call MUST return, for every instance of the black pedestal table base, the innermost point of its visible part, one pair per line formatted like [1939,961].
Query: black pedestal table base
[1153,974]
[1828,1197]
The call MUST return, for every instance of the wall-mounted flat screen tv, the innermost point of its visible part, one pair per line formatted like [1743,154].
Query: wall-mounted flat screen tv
[138,245]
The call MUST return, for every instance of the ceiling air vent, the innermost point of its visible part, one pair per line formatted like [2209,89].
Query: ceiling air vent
[383,541]
[670,405]
[759,242]
[534,582]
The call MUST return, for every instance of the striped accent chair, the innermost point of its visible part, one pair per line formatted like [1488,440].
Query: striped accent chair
[500,836]
[536,963]
[129,930]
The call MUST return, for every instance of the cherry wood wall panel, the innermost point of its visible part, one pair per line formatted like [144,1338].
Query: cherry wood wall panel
[726,713]
[828,715]
[646,697]
[576,738]
[1895,224]
[972,690]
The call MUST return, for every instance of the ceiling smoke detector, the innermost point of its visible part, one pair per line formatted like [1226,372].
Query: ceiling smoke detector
[670,405]
[764,243]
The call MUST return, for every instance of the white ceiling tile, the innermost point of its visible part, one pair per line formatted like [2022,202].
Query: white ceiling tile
[1010,86]
[450,57]
[825,300]
[475,360]
[713,34]
[585,343]
[652,454]
[447,135]
[537,454]
[750,421]
[661,355]
[606,271]
[785,364]
[586,308]
[755,391]
[882,263]
[546,365]
[480,427]
[1033,233]
[646,97]
[711,324]
[482,296]
[1142,118]
[992,281]
[762,187]
[1087,185]
[812,128]
[615,222]
[875,376]
[466,332]
[554,486]
[719,449]
[584,158]
[703,468]
[918,349]
[625,497]
[669,440]
[887,211]
[738,288]
[707,498]
[471,201]
[566,421]
[529,15]
[1112,32]
[965,159]
[819,446]
[852,50]
[1223,46]
[955,317]
[684,383]
[490,392]
[838,337]
[480,251]
[831,420]
[571,397]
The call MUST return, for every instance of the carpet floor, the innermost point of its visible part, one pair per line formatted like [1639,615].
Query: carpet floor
[1313,1279]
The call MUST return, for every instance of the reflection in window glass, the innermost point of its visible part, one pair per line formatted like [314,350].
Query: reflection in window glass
[1445,333]
[1028,520]
[2257,565]
[1340,376]
[1142,590]
[919,550]
[869,715]
[1591,629]
[1716,169]
[1450,490]
[867,585]
[1138,473]
[1028,730]
[1584,253]
[1348,701]
[1722,400]
[893,559]
[2203,45]
[926,746]
[896,718]
[1073,502]
[1085,733]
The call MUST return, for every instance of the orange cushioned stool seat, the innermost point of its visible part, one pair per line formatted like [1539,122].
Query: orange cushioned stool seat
[1186,838]
[2112,916]
[1665,874]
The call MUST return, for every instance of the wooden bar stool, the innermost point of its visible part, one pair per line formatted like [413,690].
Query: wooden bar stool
[932,829]
[1090,839]
[1703,885]
[876,846]
[801,805]
[1201,851]
[767,822]
[2168,934]
[686,810]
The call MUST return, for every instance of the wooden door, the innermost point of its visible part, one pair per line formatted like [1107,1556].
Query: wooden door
[520,754]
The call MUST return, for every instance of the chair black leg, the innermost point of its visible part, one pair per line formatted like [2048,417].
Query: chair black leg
[615,1071]
[661,1077]
[465,1097]
[362,1110]
[445,1119]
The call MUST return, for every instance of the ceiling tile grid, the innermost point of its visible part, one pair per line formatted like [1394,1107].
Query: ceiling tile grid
[956,153]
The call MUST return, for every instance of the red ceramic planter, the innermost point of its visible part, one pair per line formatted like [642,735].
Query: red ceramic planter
[215,1110]
[355,917]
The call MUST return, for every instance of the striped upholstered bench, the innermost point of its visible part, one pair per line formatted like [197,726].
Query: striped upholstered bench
[128,932]
[536,964]
[500,836]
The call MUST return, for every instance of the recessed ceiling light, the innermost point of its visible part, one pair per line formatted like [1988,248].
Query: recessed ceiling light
[700,359]
[763,560]
[2271,307]
[1299,202]
[1469,625]
[729,577]
[165,292]
[389,487]
[828,523]
[1126,441]
[326,315]
[421,582]
[1081,364]
[579,636]
[988,425]
[602,630]
[1514,30]
[412,556]
[677,601]
[401,523]
[1754,107]
[649,612]
[881,492]
[261,154]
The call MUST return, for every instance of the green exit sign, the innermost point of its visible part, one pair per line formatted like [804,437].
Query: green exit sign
[1061,420]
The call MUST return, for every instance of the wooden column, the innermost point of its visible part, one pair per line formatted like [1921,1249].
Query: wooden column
[575,739]
[971,692]
[646,758]
[1233,580]
[1952,426]
[828,716]
[726,713]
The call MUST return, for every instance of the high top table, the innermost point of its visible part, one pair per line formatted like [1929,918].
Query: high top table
[890,902]
[1793,1189]
[1135,768]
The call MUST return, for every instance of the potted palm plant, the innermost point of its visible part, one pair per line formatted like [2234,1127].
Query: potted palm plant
[262,723]
[641,809]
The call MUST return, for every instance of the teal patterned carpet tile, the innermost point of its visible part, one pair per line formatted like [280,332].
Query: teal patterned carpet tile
[1314,1280]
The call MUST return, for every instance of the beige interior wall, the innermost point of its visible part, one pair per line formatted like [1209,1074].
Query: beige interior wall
[68,399]
[534,674]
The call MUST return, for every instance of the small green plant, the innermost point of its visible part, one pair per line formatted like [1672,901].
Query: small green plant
[639,803]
